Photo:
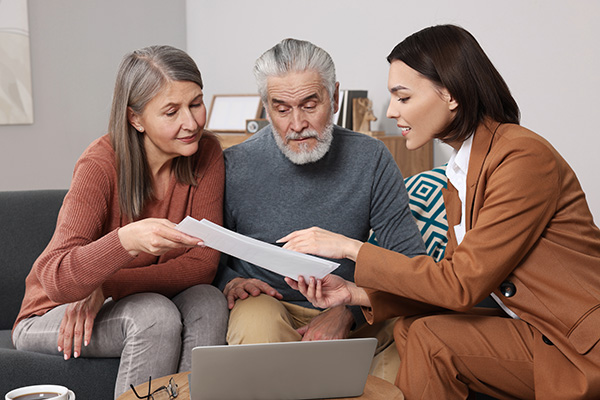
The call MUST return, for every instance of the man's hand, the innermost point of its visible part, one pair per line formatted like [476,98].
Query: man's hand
[241,288]
[334,323]
[78,322]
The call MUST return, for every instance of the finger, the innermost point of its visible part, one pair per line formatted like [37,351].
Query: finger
[310,294]
[267,289]
[61,333]
[230,299]
[88,328]
[68,341]
[172,237]
[291,283]
[302,285]
[241,293]
[293,235]
[295,243]
[287,237]
[179,237]
[319,290]
[302,330]
[78,335]
[164,221]
[290,246]
[69,321]
[252,289]
[192,240]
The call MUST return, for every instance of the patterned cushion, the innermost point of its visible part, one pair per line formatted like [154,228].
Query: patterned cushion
[427,206]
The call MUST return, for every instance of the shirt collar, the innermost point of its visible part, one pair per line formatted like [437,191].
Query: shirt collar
[458,165]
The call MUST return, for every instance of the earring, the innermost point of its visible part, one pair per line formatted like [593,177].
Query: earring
[141,129]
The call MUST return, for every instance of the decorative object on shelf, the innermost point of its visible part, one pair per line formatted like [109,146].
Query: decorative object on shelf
[362,115]
[228,112]
[16,101]
[255,125]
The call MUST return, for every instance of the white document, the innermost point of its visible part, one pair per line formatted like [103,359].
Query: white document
[282,261]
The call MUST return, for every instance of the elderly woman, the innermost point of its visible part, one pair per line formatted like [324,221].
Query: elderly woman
[117,276]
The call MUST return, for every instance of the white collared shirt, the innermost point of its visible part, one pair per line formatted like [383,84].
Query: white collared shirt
[456,171]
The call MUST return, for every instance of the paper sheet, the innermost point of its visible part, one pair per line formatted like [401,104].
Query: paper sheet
[282,261]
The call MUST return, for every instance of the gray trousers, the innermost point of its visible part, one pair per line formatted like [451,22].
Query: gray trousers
[152,335]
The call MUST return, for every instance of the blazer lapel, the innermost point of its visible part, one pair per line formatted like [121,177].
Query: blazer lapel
[480,148]
[453,212]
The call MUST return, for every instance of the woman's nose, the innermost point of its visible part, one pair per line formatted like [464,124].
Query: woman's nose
[392,112]
[189,122]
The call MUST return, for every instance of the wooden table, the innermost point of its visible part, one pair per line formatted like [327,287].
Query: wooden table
[375,389]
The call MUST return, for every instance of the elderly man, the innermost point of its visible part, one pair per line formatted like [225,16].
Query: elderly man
[303,171]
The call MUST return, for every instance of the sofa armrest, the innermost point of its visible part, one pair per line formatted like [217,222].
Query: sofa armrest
[27,222]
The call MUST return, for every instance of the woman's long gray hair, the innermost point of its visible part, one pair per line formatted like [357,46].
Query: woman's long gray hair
[142,75]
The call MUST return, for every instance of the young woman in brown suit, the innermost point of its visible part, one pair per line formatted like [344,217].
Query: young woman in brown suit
[520,230]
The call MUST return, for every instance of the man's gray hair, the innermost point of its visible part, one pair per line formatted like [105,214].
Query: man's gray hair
[292,55]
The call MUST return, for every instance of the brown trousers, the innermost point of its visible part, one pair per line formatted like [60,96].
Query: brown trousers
[445,356]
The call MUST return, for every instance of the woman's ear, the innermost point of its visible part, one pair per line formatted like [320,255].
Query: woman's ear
[452,103]
[134,120]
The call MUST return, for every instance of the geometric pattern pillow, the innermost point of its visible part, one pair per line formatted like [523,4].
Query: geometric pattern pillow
[427,206]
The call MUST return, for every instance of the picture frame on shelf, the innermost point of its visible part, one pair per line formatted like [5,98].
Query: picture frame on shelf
[228,112]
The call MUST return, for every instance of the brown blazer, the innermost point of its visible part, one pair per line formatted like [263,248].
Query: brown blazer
[530,238]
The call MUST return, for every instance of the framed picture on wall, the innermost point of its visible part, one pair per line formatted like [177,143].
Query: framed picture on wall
[228,112]
[16,102]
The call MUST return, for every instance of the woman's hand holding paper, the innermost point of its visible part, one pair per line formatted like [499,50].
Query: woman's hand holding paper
[330,291]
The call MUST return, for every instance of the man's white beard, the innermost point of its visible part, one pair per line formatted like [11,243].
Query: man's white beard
[305,156]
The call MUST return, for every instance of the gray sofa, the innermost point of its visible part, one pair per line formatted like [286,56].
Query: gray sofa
[27,221]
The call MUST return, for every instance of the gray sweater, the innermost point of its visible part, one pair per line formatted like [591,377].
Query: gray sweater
[354,188]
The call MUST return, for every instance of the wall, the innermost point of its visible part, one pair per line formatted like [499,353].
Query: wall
[547,52]
[76,47]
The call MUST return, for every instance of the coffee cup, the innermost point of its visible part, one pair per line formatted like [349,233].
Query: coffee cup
[54,392]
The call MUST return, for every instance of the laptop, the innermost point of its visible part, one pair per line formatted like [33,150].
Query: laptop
[276,371]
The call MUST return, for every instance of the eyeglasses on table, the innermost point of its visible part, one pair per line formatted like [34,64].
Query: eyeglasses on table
[162,393]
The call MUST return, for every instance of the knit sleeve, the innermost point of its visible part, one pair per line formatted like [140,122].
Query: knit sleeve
[180,269]
[79,256]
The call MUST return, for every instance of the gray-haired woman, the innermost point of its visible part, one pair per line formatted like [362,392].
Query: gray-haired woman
[117,276]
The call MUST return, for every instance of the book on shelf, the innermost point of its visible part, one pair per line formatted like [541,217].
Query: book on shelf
[344,114]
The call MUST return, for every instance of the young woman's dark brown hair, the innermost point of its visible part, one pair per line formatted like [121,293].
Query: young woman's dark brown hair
[451,58]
